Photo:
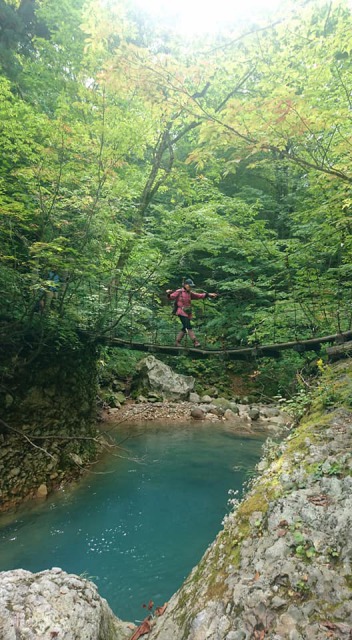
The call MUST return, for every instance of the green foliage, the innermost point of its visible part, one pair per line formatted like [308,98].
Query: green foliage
[298,405]
[129,161]
[333,469]
[334,553]
[275,379]
[302,587]
[121,363]
[301,545]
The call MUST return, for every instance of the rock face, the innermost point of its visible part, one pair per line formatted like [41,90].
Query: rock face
[281,567]
[156,376]
[55,397]
[55,605]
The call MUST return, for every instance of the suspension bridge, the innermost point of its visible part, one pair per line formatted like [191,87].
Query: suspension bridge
[124,315]
[237,353]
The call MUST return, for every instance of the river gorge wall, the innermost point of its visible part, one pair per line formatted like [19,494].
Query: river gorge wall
[48,418]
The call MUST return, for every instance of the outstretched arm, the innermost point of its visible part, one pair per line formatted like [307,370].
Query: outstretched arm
[201,296]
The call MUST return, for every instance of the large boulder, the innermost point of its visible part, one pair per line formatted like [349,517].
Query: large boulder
[54,604]
[156,376]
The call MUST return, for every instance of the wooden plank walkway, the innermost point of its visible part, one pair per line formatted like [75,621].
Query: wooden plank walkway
[245,353]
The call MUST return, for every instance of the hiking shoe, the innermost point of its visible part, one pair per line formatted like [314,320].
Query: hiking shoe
[196,344]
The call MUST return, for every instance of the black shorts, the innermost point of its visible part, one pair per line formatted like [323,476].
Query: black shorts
[186,323]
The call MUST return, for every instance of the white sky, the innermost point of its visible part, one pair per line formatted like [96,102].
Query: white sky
[201,16]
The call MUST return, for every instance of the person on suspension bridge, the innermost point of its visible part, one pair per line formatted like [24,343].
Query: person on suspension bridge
[183,309]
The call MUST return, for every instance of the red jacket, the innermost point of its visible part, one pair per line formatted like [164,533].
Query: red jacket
[184,299]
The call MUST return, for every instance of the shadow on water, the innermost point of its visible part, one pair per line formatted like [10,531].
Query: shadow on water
[139,525]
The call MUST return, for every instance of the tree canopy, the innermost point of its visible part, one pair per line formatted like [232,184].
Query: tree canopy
[130,160]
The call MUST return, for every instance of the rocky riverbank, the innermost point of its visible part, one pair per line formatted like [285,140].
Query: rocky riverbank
[238,417]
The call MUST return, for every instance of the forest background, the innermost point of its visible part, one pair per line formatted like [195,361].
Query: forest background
[131,157]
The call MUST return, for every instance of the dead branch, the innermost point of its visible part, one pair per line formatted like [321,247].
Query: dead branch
[7,426]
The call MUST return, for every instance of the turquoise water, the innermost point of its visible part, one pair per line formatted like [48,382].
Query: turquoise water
[138,525]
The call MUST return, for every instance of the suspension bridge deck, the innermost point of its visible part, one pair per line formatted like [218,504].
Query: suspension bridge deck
[243,353]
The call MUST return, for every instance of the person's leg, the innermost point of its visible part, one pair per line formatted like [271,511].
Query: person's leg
[186,328]
[182,333]
[180,337]
[187,325]
[193,338]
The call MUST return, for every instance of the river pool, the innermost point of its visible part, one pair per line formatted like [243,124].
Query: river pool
[142,520]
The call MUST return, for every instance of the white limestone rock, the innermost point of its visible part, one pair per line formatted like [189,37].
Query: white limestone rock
[157,376]
[54,604]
